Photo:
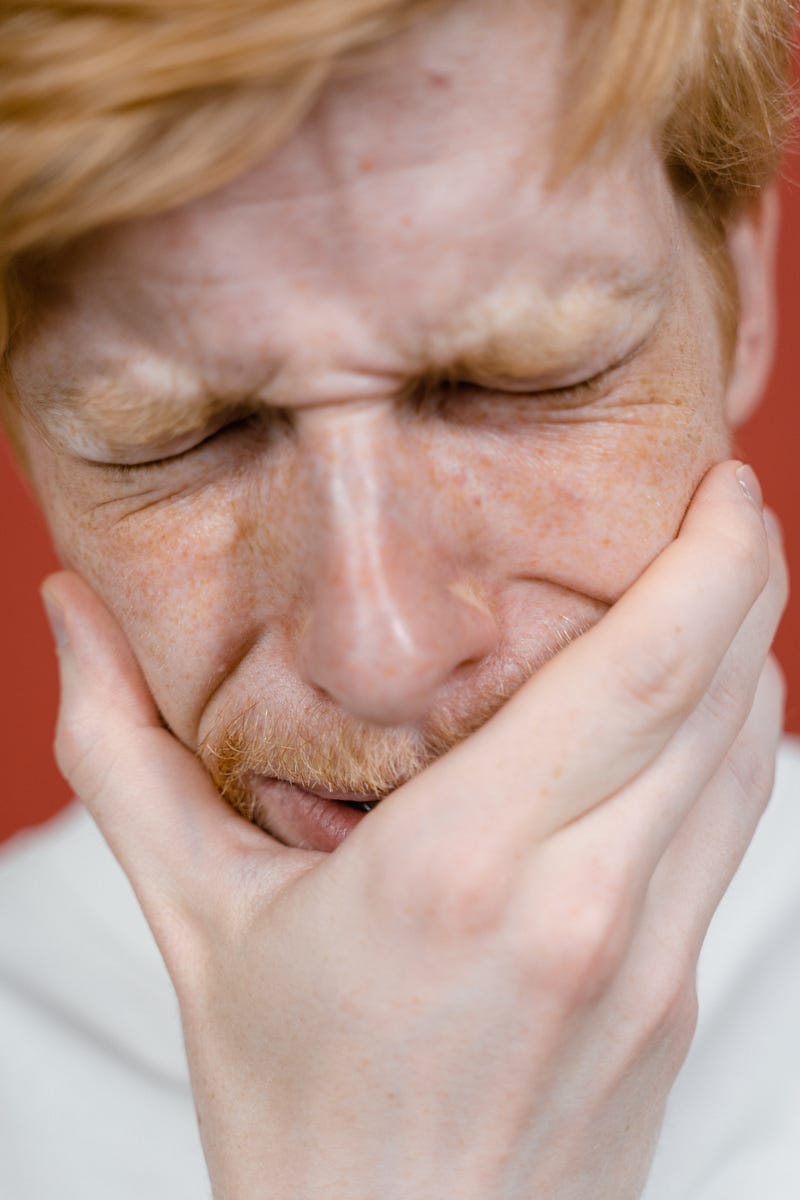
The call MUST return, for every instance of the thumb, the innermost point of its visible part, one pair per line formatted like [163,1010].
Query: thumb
[174,836]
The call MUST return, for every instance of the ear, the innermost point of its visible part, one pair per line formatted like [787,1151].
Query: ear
[752,242]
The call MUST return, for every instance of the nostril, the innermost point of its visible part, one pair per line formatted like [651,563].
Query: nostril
[389,625]
[388,667]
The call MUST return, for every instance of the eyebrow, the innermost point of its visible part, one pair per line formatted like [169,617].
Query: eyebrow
[515,339]
[133,410]
[511,335]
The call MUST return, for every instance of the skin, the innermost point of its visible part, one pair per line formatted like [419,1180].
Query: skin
[353,546]
[497,967]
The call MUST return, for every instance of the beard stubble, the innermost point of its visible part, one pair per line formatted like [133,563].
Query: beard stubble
[316,746]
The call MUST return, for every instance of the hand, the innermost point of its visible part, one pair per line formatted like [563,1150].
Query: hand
[488,989]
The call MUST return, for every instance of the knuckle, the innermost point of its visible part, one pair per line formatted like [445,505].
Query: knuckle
[729,699]
[581,946]
[752,767]
[583,956]
[665,1008]
[79,755]
[730,696]
[660,680]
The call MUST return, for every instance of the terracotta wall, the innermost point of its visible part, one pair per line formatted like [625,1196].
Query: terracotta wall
[31,788]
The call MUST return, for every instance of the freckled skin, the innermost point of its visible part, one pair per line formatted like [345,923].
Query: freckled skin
[367,547]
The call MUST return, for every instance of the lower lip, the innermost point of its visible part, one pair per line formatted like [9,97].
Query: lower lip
[299,818]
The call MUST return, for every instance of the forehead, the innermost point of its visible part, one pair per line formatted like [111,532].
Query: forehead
[414,207]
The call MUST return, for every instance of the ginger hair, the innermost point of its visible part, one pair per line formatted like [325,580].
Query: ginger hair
[112,109]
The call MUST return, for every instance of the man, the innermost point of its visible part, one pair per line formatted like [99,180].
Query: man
[376,366]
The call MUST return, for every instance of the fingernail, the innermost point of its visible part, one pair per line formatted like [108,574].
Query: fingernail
[749,484]
[55,618]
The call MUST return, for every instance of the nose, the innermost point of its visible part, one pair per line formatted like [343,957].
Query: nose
[392,618]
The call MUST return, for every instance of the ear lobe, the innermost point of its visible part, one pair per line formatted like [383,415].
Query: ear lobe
[752,243]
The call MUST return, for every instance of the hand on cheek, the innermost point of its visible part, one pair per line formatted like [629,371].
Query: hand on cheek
[408,1016]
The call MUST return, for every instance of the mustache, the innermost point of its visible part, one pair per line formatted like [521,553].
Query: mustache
[313,744]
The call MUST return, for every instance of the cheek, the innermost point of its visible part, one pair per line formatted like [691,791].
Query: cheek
[588,505]
[181,579]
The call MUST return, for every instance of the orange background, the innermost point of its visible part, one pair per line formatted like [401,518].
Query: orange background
[32,789]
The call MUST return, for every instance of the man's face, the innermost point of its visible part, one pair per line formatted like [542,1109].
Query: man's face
[327,570]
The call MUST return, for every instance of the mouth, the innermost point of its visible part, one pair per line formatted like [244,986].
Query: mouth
[308,820]
[359,800]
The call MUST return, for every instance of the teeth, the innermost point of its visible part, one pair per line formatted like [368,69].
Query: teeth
[364,805]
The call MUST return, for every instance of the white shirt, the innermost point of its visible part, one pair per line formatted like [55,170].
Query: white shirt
[95,1101]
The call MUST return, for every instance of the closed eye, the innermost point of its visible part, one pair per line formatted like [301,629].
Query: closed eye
[574,390]
[214,434]
[455,389]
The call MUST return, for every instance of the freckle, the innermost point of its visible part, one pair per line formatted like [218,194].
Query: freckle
[366,164]
[438,80]
[406,220]
[246,526]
